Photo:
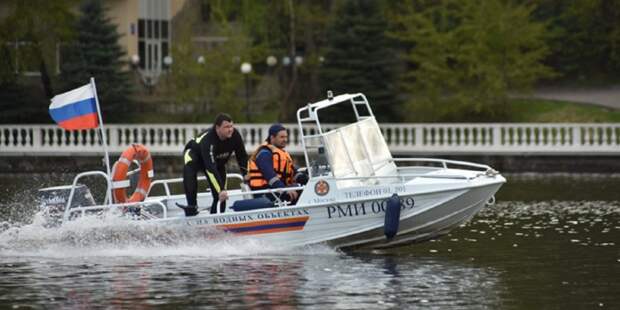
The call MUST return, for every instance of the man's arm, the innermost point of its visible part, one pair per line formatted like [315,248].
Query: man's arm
[208,156]
[240,153]
[264,162]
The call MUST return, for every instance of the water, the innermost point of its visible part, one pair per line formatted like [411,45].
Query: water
[551,241]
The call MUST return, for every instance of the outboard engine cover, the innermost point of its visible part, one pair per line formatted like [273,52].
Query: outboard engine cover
[52,201]
[392,217]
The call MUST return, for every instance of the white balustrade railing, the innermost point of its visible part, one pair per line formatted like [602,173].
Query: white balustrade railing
[403,139]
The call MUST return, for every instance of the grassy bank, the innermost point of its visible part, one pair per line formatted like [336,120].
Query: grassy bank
[547,111]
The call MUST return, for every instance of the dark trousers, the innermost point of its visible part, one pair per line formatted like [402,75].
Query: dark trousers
[270,196]
[190,181]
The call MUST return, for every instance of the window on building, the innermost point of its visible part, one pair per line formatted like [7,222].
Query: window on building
[153,33]
[26,59]
[205,11]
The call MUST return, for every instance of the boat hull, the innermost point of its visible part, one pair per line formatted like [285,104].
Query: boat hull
[357,222]
[432,221]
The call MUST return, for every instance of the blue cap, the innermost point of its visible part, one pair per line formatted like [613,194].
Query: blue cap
[275,128]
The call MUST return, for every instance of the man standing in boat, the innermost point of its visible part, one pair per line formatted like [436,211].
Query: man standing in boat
[270,166]
[209,152]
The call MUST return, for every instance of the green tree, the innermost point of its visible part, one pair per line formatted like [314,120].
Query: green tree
[466,56]
[30,33]
[304,35]
[96,52]
[37,26]
[359,57]
[585,40]
[283,28]
[217,84]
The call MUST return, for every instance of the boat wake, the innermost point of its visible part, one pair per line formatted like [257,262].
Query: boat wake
[93,236]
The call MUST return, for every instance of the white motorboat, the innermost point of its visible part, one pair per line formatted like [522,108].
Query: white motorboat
[357,194]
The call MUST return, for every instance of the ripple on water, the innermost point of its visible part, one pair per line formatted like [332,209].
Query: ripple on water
[586,223]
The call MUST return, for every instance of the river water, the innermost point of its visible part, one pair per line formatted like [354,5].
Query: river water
[550,242]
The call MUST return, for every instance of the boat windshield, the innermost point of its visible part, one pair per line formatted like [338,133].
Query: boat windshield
[358,150]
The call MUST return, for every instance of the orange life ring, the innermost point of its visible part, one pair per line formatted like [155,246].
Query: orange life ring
[120,181]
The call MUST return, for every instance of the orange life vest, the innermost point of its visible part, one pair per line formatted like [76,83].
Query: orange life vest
[282,166]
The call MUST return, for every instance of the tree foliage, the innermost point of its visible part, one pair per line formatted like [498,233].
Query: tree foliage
[585,37]
[28,42]
[95,52]
[254,31]
[460,59]
[37,31]
[466,56]
[283,28]
[213,86]
[359,57]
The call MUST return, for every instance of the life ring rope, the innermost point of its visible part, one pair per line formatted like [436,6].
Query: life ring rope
[120,180]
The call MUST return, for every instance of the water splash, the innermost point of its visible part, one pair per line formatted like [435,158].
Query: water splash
[113,236]
[23,232]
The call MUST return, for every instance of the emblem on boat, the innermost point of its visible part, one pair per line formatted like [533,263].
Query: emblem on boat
[321,188]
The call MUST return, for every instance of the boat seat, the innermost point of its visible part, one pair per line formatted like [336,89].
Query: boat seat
[252,204]
[387,169]
[365,175]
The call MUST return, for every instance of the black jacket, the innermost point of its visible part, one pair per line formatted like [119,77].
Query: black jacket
[214,153]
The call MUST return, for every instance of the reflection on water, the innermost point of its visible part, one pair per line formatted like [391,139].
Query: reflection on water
[549,242]
[560,186]
[556,254]
[362,281]
[326,281]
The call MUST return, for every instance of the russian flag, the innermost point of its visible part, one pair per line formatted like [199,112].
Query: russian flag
[75,109]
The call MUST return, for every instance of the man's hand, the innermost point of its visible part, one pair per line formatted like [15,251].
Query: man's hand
[292,195]
[223,196]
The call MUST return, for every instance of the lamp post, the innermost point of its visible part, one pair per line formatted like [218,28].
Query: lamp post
[291,63]
[299,60]
[246,69]
[150,76]
[272,61]
[146,80]
[135,60]
[286,61]
[167,64]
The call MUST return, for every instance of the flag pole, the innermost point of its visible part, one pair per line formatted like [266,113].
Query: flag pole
[103,141]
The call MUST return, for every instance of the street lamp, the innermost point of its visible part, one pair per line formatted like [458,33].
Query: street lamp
[299,60]
[148,79]
[288,79]
[246,69]
[286,61]
[272,60]
[167,62]
[135,60]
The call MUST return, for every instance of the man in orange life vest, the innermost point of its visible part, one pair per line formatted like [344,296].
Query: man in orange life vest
[270,166]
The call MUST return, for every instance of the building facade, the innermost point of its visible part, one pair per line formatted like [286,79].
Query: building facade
[146,29]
